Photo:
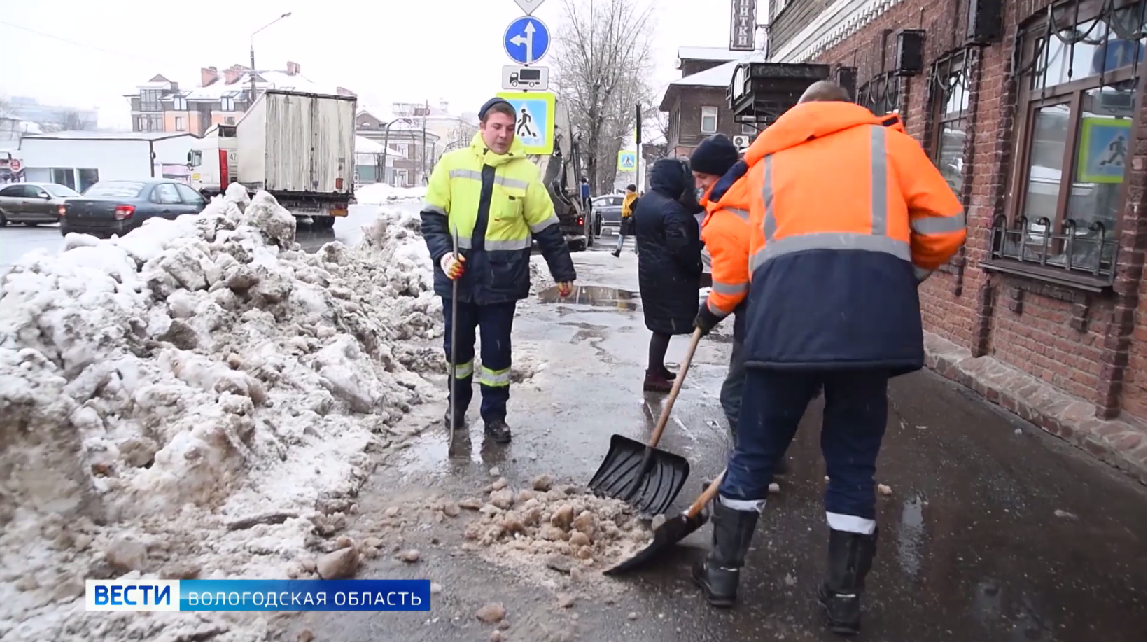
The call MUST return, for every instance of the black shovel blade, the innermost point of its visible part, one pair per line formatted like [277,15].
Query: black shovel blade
[664,538]
[621,471]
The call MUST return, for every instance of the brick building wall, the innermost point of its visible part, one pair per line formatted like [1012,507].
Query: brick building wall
[685,118]
[1082,335]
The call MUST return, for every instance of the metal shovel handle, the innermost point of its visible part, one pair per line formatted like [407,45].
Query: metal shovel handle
[453,349]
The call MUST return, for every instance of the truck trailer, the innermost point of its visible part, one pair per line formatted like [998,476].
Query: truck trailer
[298,146]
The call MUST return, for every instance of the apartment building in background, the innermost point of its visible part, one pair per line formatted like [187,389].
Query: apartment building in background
[222,97]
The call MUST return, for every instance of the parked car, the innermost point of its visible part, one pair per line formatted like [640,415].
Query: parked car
[608,209]
[118,207]
[33,203]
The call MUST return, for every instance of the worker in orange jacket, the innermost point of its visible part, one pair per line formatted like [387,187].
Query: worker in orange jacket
[847,216]
[717,170]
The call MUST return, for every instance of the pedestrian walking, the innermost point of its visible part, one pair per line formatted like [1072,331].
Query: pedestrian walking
[847,216]
[491,196]
[623,229]
[668,263]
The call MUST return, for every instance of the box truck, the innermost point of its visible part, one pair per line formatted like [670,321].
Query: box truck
[298,146]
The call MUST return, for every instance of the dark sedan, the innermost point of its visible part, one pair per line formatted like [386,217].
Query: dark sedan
[33,203]
[608,209]
[118,207]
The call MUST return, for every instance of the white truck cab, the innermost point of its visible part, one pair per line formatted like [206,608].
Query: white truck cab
[214,155]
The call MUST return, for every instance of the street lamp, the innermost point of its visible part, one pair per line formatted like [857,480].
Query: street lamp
[253,50]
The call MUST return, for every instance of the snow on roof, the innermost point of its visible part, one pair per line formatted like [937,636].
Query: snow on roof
[363,145]
[107,135]
[719,76]
[263,80]
[707,53]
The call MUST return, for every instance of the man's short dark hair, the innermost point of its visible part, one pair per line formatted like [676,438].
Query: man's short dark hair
[496,106]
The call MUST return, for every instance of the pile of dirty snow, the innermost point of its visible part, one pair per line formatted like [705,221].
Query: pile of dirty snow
[199,398]
[381,193]
[555,527]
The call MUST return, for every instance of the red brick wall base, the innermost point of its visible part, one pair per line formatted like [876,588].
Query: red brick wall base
[1116,442]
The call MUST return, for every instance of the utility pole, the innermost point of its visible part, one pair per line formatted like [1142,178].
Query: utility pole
[252,74]
[425,115]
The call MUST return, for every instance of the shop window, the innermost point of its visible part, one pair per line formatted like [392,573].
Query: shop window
[1079,72]
[881,95]
[950,101]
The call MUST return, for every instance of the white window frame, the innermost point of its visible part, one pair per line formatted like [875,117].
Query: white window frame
[709,112]
[179,103]
[227,103]
[748,129]
[179,124]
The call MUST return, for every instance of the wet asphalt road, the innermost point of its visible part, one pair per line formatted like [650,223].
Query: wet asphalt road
[993,531]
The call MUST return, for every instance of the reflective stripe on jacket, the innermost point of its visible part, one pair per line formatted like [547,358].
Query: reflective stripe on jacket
[495,203]
[725,232]
[847,215]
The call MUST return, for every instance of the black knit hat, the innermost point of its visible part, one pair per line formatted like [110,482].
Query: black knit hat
[714,156]
[490,103]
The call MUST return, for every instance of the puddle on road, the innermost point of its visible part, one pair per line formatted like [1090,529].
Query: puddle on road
[595,295]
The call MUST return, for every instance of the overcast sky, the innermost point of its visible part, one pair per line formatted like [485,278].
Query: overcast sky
[384,50]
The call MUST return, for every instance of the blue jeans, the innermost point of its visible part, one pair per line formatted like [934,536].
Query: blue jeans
[855,414]
[494,323]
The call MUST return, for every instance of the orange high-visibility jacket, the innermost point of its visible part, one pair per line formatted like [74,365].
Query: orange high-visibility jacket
[725,232]
[847,215]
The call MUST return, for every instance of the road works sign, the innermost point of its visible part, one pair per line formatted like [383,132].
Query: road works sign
[535,126]
[626,161]
[527,39]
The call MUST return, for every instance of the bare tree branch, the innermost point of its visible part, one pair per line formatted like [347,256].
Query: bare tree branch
[602,63]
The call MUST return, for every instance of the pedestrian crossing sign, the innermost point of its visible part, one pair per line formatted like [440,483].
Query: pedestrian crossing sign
[626,161]
[535,126]
[1104,145]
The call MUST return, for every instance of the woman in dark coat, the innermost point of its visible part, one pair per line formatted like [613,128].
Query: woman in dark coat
[668,262]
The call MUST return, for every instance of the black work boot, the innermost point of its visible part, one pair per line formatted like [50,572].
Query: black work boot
[459,422]
[849,560]
[497,430]
[719,574]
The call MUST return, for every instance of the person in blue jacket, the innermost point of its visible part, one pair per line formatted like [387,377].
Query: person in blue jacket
[668,262]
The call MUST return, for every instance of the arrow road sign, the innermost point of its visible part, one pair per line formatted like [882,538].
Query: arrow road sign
[526,40]
[529,5]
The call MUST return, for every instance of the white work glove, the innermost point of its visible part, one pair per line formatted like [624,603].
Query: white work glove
[452,265]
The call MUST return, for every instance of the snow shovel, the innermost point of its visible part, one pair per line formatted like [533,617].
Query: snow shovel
[672,531]
[641,474]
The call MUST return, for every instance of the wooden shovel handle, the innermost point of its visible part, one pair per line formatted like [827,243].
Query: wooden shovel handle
[676,389]
[706,496]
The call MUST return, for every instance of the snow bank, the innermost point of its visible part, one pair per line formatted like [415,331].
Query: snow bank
[381,193]
[197,399]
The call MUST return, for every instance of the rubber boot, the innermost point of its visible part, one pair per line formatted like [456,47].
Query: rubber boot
[498,430]
[459,422]
[849,560]
[720,572]
[657,382]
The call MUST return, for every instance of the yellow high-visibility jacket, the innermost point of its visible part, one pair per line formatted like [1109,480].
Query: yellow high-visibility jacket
[495,203]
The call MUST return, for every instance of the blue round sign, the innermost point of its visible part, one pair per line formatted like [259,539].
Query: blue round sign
[527,39]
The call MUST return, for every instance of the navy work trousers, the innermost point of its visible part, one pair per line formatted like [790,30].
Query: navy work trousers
[494,323]
[855,413]
[733,388]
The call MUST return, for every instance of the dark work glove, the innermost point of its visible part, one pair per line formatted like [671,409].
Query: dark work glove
[706,320]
